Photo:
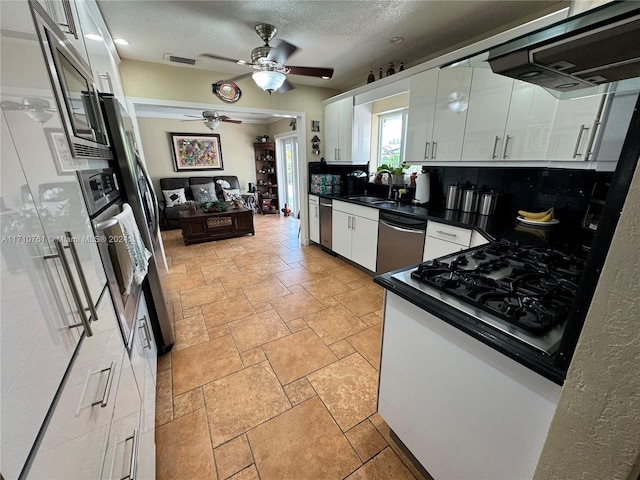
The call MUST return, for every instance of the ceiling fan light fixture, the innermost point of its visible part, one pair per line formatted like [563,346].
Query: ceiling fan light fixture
[212,123]
[269,80]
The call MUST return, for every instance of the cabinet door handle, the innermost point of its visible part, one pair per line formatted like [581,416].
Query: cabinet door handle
[145,330]
[433,150]
[441,232]
[426,150]
[495,146]
[134,447]
[583,129]
[83,279]
[107,387]
[506,144]
[316,211]
[349,222]
[353,223]
[74,289]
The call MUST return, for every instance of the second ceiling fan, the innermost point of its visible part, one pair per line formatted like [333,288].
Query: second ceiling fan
[212,119]
[269,63]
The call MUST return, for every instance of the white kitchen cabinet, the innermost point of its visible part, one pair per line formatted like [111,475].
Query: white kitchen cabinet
[75,439]
[487,115]
[573,128]
[422,102]
[354,233]
[102,54]
[144,362]
[454,85]
[531,113]
[338,119]
[443,239]
[64,13]
[314,219]
[469,412]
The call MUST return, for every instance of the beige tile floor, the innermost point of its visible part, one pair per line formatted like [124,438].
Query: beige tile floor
[274,371]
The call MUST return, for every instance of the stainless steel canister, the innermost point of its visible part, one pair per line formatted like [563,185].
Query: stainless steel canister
[453,197]
[469,200]
[488,202]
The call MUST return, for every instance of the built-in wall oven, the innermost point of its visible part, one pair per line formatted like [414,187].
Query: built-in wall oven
[104,201]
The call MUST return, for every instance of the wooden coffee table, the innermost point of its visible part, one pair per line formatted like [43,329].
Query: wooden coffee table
[207,226]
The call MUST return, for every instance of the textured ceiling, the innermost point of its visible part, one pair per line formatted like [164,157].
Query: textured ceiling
[350,36]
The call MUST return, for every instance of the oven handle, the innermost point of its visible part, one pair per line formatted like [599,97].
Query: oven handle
[404,230]
[83,278]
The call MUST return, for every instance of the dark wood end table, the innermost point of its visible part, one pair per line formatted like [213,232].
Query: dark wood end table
[207,226]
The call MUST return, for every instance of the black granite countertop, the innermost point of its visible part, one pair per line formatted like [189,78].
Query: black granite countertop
[501,226]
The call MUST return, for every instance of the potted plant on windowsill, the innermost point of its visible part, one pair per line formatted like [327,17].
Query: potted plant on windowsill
[397,172]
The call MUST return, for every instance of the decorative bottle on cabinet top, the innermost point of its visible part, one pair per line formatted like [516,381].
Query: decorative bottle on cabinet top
[371,78]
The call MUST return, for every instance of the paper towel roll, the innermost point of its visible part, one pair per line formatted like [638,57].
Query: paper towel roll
[423,189]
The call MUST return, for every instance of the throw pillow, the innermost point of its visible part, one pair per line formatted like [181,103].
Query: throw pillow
[230,195]
[174,197]
[223,184]
[203,193]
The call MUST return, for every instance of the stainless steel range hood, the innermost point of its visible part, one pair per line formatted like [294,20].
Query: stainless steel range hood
[596,47]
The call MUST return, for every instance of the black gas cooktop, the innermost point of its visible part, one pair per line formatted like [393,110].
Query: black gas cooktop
[525,291]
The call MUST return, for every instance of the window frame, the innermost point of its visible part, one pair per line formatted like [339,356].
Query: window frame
[403,113]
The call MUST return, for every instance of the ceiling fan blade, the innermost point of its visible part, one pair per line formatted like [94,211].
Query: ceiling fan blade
[193,116]
[194,119]
[238,77]
[286,86]
[311,71]
[228,120]
[282,52]
[225,59]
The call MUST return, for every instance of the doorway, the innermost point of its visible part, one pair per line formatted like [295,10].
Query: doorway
[288,181]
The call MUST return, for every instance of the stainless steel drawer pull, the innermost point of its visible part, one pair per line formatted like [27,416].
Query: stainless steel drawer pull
[83,279]
[145,331]
[583,129]
[494,155]
[446,233]
[107,388]
[134,447]
[74,290]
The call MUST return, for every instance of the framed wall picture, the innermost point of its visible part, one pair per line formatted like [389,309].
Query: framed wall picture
[65,163]
[315,125]
[196,151]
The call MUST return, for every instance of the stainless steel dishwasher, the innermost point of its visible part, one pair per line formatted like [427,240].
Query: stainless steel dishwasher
[326,215]
[400,241]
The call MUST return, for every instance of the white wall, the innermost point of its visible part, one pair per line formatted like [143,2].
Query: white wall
[236,142]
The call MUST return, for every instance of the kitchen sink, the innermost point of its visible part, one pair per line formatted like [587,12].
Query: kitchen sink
[367,199]
[385,203]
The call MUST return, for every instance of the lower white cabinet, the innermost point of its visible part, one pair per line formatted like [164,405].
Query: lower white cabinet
[354,233]
[314,219]
[144,362]
[468,412]
[443,239]
[77,436]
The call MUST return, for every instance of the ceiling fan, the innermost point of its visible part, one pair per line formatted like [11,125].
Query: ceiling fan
[212,119]
[269,63]
[35,108]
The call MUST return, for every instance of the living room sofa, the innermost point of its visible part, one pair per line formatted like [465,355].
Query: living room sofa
[170,215]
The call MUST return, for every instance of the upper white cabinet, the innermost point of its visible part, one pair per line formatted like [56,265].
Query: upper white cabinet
[338,118]
[438,103]
[574,128]
[422,101]
[454,85]
[100,50]
[354,233]
[487,115]
[65,14]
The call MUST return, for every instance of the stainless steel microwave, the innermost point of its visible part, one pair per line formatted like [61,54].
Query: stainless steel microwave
[75,90]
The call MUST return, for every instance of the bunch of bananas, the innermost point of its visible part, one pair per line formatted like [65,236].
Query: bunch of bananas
[546,216]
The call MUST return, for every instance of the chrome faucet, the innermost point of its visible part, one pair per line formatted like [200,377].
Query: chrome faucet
[390,179]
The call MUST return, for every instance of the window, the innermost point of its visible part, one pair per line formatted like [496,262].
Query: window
[391,134]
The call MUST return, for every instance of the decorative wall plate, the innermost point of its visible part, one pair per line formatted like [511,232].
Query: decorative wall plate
[227,91]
